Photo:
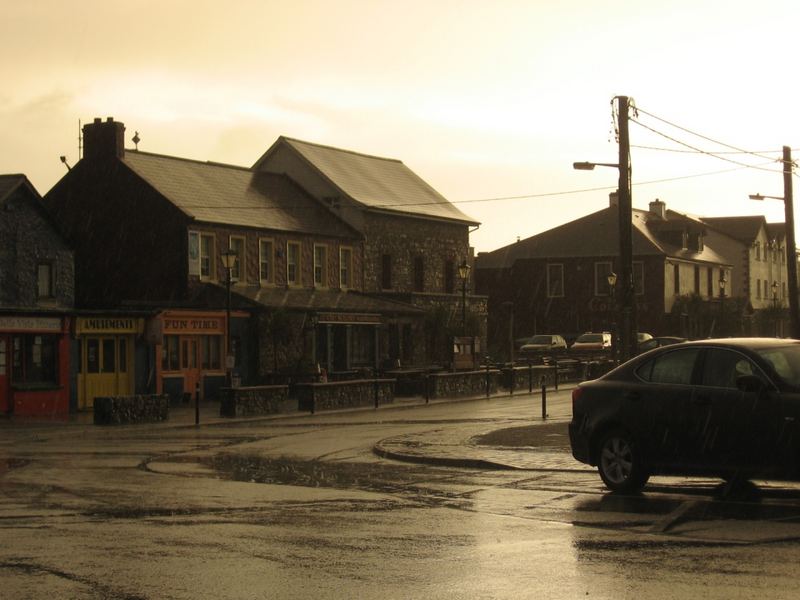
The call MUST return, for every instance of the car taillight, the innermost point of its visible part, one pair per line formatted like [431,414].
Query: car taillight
[576,394]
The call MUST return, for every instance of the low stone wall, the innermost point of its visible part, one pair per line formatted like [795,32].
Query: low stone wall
[344,394]
[529,377]
[462,383]
[255,400]
[118,410]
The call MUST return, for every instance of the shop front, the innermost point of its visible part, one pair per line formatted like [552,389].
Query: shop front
[34,365]
[106,363]
[347,343]
[192,351]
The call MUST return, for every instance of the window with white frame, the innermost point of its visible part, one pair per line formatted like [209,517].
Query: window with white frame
[555,280]
[293,263]
[207,265]
[265,260]
[758,289]
[345,267]
[194,253]
[758,250]
[320,265]
[601,273]
[236,244]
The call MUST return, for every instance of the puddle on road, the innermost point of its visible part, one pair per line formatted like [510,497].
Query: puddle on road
[7,464]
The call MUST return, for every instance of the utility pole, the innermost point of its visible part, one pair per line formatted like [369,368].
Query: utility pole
[791,248]
[627,297]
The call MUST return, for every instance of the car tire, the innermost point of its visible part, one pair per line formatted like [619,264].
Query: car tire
[620,462]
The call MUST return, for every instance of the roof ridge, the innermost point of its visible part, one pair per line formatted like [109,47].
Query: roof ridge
[211,163]
[345,150]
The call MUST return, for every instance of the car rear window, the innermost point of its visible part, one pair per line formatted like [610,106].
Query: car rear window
[785,361]
[672,367]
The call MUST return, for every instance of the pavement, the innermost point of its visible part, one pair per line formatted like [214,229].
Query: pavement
[541,445]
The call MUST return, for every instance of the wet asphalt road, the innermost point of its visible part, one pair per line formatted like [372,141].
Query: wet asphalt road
[301,507]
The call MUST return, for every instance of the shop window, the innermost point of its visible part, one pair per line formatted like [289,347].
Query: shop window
[601,272]
[362,345]
[170,353]
[92,355]
[123,355]
[211,345]
[34,359]
[109,355]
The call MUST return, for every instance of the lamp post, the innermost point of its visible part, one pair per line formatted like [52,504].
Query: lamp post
[775,307]
[463,273]
[791,247]
[722,281]
[228,262]
[627,306]
[612,282]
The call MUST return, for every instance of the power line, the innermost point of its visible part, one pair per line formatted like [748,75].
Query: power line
[681,150]
[695,148]
[699,134]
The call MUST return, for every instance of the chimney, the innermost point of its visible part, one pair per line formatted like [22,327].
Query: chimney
[658,208]
[613,199]
[103,139]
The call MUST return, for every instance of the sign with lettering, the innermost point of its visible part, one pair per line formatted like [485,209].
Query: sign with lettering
[49,324]
[112,325]
[349,318]
[187,325]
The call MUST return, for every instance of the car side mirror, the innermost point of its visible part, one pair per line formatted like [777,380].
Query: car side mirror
[750,383]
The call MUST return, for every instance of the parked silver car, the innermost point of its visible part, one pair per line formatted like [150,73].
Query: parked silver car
[544,344]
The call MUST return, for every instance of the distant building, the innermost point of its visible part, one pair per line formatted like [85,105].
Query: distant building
[36,300]
[557,281]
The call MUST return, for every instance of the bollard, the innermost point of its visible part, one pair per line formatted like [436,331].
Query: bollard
[512,377]
[530,377]
[544,400]
[555,374]
[197,403]
[427,387]
[376,393]
[487,378]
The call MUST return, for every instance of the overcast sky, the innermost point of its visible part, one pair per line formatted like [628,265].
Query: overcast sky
[482,99]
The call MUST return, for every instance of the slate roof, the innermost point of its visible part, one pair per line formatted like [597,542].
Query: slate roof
[9,183]
[231,195]
[375,182]
[744,229]
[596,235]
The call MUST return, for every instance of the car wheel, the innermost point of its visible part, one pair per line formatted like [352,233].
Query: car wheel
[620,463]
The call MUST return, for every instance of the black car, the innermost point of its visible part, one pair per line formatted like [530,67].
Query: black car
[728,408]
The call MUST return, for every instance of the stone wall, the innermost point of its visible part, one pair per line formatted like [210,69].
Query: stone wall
[344,394]
[463,383]
[256,400]
[118,410]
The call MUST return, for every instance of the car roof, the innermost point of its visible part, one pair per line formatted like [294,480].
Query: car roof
[745,342]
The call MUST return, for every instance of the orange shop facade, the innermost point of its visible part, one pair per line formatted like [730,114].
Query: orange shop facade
[191,352]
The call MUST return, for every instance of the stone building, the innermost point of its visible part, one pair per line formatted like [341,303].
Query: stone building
[151,233]
[36,299]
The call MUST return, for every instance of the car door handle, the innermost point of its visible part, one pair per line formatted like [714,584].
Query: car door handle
[789,419]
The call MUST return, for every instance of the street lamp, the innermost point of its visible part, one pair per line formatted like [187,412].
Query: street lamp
[228,261]
[463,273]
[775,307]
[791,247]
[722,281]
[627,305]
